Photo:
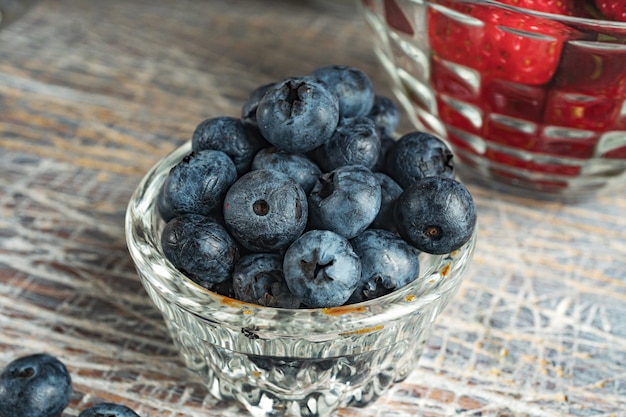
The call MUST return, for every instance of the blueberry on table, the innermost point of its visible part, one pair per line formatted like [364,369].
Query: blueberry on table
[108,410]
[37,385]
[418,155]
[229,135]
[197,184]
[265,210]
[298,114]
[388,263]
[345,200]
[258,278]
[200,248]
[356,141]
[385,115]
[297,166]
[321,269]
[389,193]
[351,85]
[436,215]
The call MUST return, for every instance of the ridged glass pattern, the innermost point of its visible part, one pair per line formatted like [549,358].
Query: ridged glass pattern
[530,101]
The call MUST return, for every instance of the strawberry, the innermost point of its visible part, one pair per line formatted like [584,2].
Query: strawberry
[497,42]
[561,7]
[599,68]
[581,111]
[612,9]
[454,80]
[514,99]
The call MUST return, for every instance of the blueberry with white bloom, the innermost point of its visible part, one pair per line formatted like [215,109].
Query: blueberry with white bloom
[321,268]
[229,135]
[389,192]
[201,248]
[436,215]
[297,166]
[298,114]
[108,410]
[345,200]
[36,385]
[388,263]
[258,278]
[356,141]
[265,210]
[351,85]
[385,114]
[418,155]
[197,184]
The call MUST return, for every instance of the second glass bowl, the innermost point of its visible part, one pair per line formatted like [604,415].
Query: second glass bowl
[530,102]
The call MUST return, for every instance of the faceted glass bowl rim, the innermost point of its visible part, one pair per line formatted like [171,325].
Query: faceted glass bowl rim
[143,242]
[600,23]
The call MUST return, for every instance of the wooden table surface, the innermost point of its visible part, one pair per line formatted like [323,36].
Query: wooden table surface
[92,94]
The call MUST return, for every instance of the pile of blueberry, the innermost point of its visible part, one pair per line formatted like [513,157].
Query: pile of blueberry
[307,200]
[40,385]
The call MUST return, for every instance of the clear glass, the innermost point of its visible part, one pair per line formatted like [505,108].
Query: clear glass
[530,102]
[305,362]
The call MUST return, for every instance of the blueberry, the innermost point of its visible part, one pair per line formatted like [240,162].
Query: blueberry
[108,410]
[356,141]
[265,210]
[351,85]
[258,278]
[389,192]
[436,215]
[298,114]
[385,114]
[248,111]
[229,135]
[321,269]
[345,200]
[297,166]
[37,385]
[418,155]
[200,248]
[197,184]
[164,207]
[387,264]
[386,142]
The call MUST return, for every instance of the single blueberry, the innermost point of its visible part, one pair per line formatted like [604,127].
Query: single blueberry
[297,166]
[164,207]
[418,155]
[37,385]
[356,141]
[386,142]
[436,215]
[248,111]
[345,200]
[321,269]
[351,85]
[197,184]
[387,264]
[258,278]
[385,114]
[265,210]
[298,114]
[108,410]
[389,192]
[229,135]
[200,248]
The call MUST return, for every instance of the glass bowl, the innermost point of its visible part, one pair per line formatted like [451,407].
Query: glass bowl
[530,102]
[300,362]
